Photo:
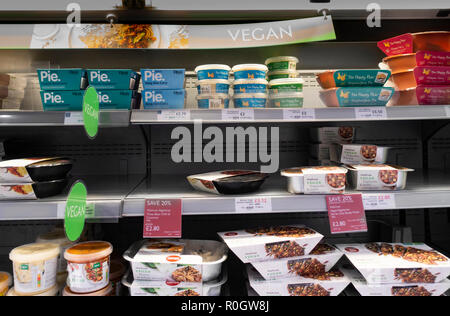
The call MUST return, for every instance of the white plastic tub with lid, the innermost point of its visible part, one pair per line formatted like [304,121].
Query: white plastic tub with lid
[35,267]
[282,62]
[286,85]
[282,74]
[287,100]
[250,71]
[57,236]
[51,292]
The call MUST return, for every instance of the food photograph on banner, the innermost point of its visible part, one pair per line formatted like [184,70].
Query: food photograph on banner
[230,150]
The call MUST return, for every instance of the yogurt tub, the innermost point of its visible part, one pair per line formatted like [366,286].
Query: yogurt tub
[5,283]
[210,86]
[250,86]
[250,100]
[88,266]
[57,236]
[213,71]
[250,71]
[287,100]
[51,292]
[35,267]
[286,85]
[281,74]
[213,101]
[107,291]
[282,63]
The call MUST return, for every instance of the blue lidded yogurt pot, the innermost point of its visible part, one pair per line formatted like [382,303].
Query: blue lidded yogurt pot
[250,71]
[213,71]
[210,86]
[250,100]
[213,101]
[250,86]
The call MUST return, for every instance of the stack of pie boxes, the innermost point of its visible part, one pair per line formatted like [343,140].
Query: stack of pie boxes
[163,88]
[395,269]
[287,261]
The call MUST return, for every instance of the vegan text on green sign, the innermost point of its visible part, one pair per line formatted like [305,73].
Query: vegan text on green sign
[91,112]
[75,212]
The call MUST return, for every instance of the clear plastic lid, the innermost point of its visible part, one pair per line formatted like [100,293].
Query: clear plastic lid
[212,81]
[88,251]
[250,96]
[286,95]
[250,67]
[250,81]
[103,292]
[282,81]
[278,59]
[34,252]
[212,66]
[50,292]
[213,96]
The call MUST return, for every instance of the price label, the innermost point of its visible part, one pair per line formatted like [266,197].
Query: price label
[375,113]
[174,115]
[238,115]
[346,213]
[162,218]
[299,114]
[253,205]
[379,201]
[73,118]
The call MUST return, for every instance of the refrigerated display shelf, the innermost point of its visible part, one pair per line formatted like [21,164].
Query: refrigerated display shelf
[424,190]
[61,118]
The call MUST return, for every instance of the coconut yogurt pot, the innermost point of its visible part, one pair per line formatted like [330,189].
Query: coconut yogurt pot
[250,71]
[287,100]
[282,63]
[281,74]
[35,267]
[250,100]
[213,71]
[286,85]
[88,266]
[250,86]
[210,86]
[213,101]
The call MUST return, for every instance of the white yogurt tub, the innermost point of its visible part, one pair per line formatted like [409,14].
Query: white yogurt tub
[282,63]
[57,236]
[250,86]
[213,71]
[250,71]
[286,85]
[250,100]
[213,101]
[51,292]
[35,267]
[287,100]
[209,86]
[281,74]
[5,283]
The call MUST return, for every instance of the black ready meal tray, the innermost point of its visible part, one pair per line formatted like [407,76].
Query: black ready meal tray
[31,191]
[228,182]
[30,170]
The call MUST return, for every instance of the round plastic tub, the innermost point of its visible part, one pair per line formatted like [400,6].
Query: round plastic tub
[106,291]
[281,74]
[213,101]
[431,41]
[401,62]
[5,283]
[286,85]
[51,292]
[250,71]
[209,86]
[287,100]
[250,100]
[57,236]
[117,272]
[35,267]
[404,79]
[213,71]
[282,63]
[88,266]
[250,86]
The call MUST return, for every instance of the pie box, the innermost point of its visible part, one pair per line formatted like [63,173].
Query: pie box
[31,191]
[288,286]
[165,259]
[358,153]
[439,76]
[113,79]
[397,263]
[377,177]
[228,182]
[262,244]
[30,170]
[320,260]
[411,289]
[353,78]
[316,180]
[330,135]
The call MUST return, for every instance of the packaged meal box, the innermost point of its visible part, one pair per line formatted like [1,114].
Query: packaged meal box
[331,283]
[320,260]
[385,263]
[31,191]
[412,289]
[163,79]
[113,79]
[176,260]
[62,79]
[264,244]
[330,135]
[378,177]
[356,154]
[34,169]
[164,99]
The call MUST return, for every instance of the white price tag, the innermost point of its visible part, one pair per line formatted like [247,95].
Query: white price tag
[174,115]
[61,210]
[379,201]
[375,113]
[299,114]
[253,205]
[73,118]
[238,115]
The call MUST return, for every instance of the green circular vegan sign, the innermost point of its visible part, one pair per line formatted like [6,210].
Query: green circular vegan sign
[75,213]
[91,109]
